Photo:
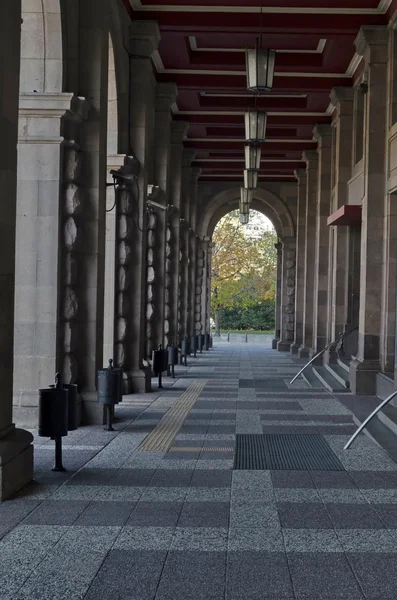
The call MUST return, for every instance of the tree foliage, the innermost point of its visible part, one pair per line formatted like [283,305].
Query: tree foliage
[243,267]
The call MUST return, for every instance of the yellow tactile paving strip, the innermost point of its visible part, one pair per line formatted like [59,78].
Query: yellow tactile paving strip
[161,437]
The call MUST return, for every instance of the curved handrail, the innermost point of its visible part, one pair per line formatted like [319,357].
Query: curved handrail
[322,352]
[368,419]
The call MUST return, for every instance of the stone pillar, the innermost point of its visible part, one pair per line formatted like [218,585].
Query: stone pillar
[166,94]
[279,248]
[200,279]
[187,157]
[342,99]
[372,44]
[16,450]
[287,312]
[40,213]
[300,260]
[178,132]
[144,39]
[206,249]
[311,159]
[323,135]
[193,246]
[89,252]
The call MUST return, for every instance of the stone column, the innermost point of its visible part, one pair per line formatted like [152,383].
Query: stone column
[287,312]
[187,157]
[144,39]
[16,450]
[323,135]
[195,173]
[372,44]
[279,249]
[178,132]
[311,159]
[89,253]
[200,279]
[342,99]
[206,249]
[300,260]
[40,212]
[166,94]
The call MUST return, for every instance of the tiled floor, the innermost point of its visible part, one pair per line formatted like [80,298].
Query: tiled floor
[126,524]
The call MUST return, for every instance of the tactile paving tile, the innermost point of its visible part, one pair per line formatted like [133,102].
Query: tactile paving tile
[161,437]
[281,452]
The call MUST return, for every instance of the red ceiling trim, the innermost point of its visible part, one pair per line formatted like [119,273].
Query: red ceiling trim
[348,214]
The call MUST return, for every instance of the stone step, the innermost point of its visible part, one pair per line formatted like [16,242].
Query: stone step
[340,374]
[311,379]
[329,381]
[343,364]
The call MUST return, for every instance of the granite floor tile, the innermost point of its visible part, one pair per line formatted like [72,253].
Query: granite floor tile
[303,516]
[258,575]
[175,478]
[367,540]
[56,512]
[354,516]
[376,574]
[208,539]
[193,574]
[205,514]
[106,513]
[261,539]
[144,538]
[155,514]
[311,540]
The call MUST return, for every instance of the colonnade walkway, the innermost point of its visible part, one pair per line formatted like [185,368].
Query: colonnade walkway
[157,511]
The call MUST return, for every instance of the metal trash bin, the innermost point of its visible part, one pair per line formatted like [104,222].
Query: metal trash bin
[73,417]
[194,344]
[110,390]
[53,417]
[159,362]
[172,358]
[201,339]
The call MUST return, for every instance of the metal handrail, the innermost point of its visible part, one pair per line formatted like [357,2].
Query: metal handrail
[342,335]
[368,419]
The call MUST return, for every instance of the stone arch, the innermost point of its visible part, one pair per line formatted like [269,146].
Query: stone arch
[41,47]
[264,201]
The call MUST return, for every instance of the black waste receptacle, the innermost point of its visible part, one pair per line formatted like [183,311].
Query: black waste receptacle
[73,417]
[110,385]
[201,339]
[172,358]
[53,412]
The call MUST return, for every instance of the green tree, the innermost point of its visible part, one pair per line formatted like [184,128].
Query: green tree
[243,267]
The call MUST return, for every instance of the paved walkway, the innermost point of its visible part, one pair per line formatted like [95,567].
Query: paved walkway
[180,524]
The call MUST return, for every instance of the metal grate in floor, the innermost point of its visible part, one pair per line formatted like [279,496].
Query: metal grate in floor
[285,452]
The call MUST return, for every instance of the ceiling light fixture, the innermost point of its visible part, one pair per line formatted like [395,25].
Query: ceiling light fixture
[260,64]
[255,126]
[250,179]
[246,195]
[252,157]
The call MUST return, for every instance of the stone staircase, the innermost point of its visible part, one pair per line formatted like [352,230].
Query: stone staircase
[333,377]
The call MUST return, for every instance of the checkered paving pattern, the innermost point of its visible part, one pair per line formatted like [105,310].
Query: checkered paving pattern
[179,524]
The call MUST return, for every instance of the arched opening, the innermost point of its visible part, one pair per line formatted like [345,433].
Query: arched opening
[243,276]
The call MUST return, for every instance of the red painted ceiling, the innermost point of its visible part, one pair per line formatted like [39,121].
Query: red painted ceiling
[202,51]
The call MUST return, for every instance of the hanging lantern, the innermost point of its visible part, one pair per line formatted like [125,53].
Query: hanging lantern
[244,219]
[244,208]
[252,157]
[260,69]
[255,126]
[250,179]
[246,195]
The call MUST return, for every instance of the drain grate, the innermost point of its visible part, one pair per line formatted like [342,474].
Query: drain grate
[285,452]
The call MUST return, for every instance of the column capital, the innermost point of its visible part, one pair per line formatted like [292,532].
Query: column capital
[166,94]
[178,131]
[300,174]
[288,241]
[311,157]
[370,38]
[144,38]
[340,95]
[187,156]
[195,172]
[323,134]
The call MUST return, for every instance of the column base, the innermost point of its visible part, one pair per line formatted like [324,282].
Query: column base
[274,343]
[140,381]
[283,346]
[92,413]
[26,416]
[362,375]
[304,352]
[16,462]
[294,348]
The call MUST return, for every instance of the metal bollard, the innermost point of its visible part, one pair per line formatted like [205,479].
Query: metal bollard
[172,358]
[53,417]
[110,391]
[194,345]
[159,358]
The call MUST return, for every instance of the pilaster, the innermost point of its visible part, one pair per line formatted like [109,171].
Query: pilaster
[300,260]
[279,249]
[187,157]
[372,44]
[193,245]
[287,312]
[16,450]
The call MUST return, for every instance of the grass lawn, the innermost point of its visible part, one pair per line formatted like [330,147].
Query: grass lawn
[250,331]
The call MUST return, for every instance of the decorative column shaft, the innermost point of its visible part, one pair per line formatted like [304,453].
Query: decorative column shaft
[300,260]
[372,44]
[287,312]
[188,155]
[144,39]
[279,248]
[311,159]
[193,245]
[16,450]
